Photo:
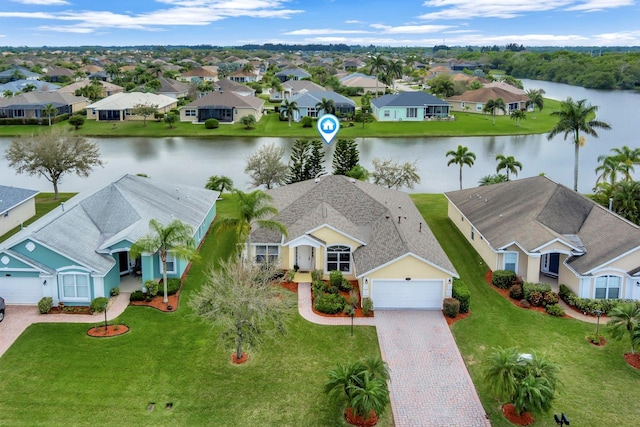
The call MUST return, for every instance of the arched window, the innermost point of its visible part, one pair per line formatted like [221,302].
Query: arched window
[339,258]
[608,287]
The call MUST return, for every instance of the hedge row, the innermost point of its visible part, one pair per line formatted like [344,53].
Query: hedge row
[460,291]
[590,305]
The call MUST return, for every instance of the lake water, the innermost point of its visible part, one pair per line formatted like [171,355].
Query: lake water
[191,161]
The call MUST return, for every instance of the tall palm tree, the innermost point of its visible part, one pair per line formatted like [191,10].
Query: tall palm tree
[219,183]
[624,319]
[176,237]
[462,156]
[288,109]
[535,100]
[575,117]
[377,65]
[494,105]
[394,71]
[327,106]
[626,200]
[49,110]
[629,157]
[609,168]
[255,209]
[509,164]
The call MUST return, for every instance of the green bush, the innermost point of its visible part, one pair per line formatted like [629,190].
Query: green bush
[555,310]
[98,304]
[319,286]
[525,304]
[114,292]
[152,287]
[536,298]
[451,307]
[367,306]
[173,286]
[316,275]
[45,304]
[516,292]
[551,298]
[211,124]
[333,290]
[503,278]
[335,278]
[460,291]
[137,296]
[564,291]
[307,122]
[345,285]
[529,287]
[329,303]
[76,121]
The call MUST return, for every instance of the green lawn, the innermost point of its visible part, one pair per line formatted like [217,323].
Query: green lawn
[599,388]
[44,203]
[56,375]
[465,124]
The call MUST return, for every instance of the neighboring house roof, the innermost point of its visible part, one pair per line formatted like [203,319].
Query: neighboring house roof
[362,81]
[484,94]
[26,74]
[226,85]
[40,99]
[199,72]
[507,87]
[89,224]
[407,99]
[122,101]
[54,70]
[90,68]
[535,211]
[362,211]
[296,72]
[227,99]
[20,85]
[300,85]
[310,99]
[172,86]
[106,86]
[10,197]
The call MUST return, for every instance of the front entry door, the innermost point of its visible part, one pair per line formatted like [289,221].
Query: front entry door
[304,257]
[123,258]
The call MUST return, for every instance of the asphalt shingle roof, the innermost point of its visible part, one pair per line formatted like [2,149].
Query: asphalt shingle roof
[407,99]
[11,197]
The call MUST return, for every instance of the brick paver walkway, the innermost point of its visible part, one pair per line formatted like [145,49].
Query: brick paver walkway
[430,384]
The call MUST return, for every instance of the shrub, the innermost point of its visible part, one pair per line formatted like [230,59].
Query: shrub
[516,292]
[173,286]
[333,290]
[98,304]
[345,285]
[354,298]
[307,122]
[451,307]
[367,306]
[555,310]
[551,298]
[211,124]
[525,304]
[329,303]
[76,121]
[536,298]
[529,287]
[114,292]
[503,278]
[319,286]
[460,291]
[316,275]
[45,304]
[152,287]
[335,278]
[564,292]
[137,296]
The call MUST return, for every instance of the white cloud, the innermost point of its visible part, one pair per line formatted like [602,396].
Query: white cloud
[597,5]
[42,2]
[467,9]
[353,21]
[410,29]
[320,31]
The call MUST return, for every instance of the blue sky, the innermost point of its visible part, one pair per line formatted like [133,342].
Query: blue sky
[365,22]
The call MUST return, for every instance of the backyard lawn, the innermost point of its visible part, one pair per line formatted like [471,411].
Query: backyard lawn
[599,388]
[56,375]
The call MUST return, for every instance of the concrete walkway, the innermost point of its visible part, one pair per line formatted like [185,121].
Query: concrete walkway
[430,384]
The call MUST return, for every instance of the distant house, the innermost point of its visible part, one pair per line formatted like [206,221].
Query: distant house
[307,102]
[119,106]
[368,84]
[17,86]
[108,89]
[474,101]
[17,73]
[53,73]
[16,206]
[224,106]
[241,76]
[173,88]
[409,106]
[30,105]
[292,88]
[197,75]
[292,74]
[226,85]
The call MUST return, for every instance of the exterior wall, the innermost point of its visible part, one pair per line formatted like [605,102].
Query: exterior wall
[411,267]
[468,107]
[239,113]
[111,279]
[627,263]
[479,244]
[332,237]
[14,217]
[10,264]
[44,255]
[555,247]
[185,118]
[206,223]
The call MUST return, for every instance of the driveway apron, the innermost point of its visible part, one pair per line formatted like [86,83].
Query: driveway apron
[430,384]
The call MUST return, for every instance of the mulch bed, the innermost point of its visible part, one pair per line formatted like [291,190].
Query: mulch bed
[633,359]
[357,420]
[600,343]
[460,316]
[158,304]
[234,358]
[292,286]
[71,310]
[510,413]
[110,331]
[358,312]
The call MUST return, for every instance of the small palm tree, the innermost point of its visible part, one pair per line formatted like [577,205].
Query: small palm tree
[609,168]
[462,156]
[509,164]
[49,110]
[176,237]
[494,105]
[518,115]
[628,157]
[535,100]
[248,121]
[327,106]
[625,319]
[219,183]
[288,109]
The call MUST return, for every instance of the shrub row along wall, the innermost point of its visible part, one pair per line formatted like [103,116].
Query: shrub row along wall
[590,305]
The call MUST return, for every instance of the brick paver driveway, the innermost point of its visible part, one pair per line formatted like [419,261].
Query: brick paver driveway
[430,384]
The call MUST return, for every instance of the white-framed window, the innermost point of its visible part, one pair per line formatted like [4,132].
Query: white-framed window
[190,113]
[339,258]
[510,261]
[412,112]
[75,286]
[171,263]
[608,287]
[386,113]
[267,253]
[478,107]
[18,113]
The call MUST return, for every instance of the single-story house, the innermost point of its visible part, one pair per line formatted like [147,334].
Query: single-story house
[292,74]
[16,206]
[53,73]
[294,87]
[30,105]
[411,106]
[226,85]
[241,76]
[474,100]
[307,101]
[197,75]
[119,106]
[80,250]
[173,88]
[108,89]
[17,86]
[18,73]
[368,84]
[226,107]
[372,234]
[536,227]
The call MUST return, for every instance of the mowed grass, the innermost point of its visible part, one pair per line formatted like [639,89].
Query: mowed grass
[56,375]
[598,387]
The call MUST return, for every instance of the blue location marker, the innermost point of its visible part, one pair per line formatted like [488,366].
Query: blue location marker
[328,127]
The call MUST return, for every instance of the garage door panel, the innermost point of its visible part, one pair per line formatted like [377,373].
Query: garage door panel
[407,294]
[21,290]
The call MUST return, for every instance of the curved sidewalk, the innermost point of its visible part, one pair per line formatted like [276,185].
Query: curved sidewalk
[430,384]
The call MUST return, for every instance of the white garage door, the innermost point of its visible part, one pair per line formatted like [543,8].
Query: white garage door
[398,294]
[21,290]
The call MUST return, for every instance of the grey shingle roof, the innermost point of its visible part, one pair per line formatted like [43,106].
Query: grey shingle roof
[310,99]
[407,99]
[364,211]
[11,197]
[226,99]
[535,211]
[34,99]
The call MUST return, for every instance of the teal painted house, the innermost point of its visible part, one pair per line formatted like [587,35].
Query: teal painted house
[80,250]
[409,106]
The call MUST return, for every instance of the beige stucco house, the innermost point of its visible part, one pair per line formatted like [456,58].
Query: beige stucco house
[16,206]
[224,106]
[372,234]
[120,106]
[537,227]
[474,101]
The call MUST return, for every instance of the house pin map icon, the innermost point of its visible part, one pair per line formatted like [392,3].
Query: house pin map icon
[328,126]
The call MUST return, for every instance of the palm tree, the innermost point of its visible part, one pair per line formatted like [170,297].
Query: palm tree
[609,168]
[7,94]
[629,157]
[535,100]
[288,109]
[442,86]
[492,179]
[626,200]
[576,117]
[518,115]
[509,164]
[255,209]
[378,64]
[625,318]
[248,121]
[493,105]
[219,183]
[500,374]
[327,106]
[462,156]
[49,110]
[176,237]
[394,71]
